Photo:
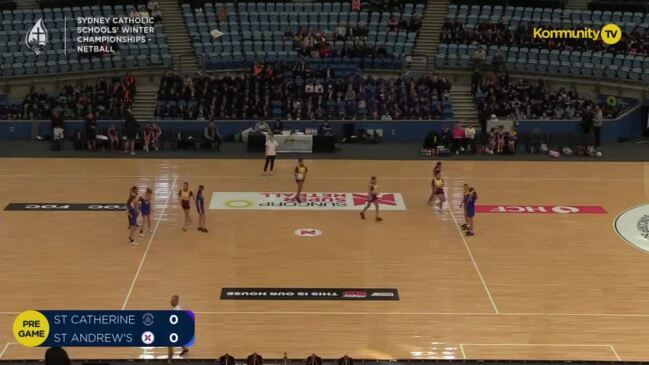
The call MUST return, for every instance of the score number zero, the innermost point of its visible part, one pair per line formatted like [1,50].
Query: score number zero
[173,337]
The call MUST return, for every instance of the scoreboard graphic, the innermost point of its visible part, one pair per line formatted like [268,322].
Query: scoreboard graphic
[46,328]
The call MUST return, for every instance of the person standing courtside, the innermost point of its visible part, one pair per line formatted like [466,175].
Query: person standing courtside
[131,127]
[598,121]
[271,152]
[175,305]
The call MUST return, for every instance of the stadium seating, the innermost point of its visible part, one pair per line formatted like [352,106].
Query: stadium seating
[60,55]
[257,31]
[606,62]
[282,92]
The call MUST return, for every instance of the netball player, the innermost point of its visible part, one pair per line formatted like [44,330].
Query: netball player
[185,196]
[373,191]
[300,175]
[131,209]
[200,206]
[271,153]
[145,210]
[438,168]
[465,193]
[438,192]
[133,192]
[175,305]
[470,210]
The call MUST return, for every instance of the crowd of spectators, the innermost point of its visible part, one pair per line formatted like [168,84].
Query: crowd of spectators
[223,97]
[635,42]
[521,99]
[321,44]
[402,24]
[302,93]
[106,98]
[151,10]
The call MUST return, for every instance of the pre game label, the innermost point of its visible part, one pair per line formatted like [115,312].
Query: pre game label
[105,328]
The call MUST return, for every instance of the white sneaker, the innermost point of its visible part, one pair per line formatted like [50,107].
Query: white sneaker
[142,235]
[132,243]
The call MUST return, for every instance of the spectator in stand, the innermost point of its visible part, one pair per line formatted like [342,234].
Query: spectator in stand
[313,360]
[325,129]
[393,24]
[224,13]
[498,61]
[479,57]
[91,132]
[227,359]
[254,359]
[415,23]
[56,356]
[345,360]
[113,138]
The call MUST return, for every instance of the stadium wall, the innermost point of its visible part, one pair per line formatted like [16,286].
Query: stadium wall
[628,126]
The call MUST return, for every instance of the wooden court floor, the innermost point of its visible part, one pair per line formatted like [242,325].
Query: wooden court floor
[527,286]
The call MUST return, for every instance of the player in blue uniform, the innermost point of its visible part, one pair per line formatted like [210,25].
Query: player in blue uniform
[131,208]
[200,206]
[465,194]
[145,210]
[470,210]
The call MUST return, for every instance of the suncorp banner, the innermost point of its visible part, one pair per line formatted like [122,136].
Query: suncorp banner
[310,201]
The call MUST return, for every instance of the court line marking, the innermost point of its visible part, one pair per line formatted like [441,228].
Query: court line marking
[466,245]
[462,351]
[610,347]
[148,246]
[289,177]
[6,347]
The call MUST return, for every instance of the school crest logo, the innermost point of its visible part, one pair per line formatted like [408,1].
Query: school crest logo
[37,37]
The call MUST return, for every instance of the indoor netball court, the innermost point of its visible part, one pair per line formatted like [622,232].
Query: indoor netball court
[556,269]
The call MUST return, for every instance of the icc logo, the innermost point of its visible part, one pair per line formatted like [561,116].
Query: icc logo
[36,38]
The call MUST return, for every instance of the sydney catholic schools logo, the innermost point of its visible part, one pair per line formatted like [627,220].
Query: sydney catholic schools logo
[37,38]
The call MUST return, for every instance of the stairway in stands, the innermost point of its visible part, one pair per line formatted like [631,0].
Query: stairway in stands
[464,109]
[428,38]
[577,4]
[144,102]
[180,43]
